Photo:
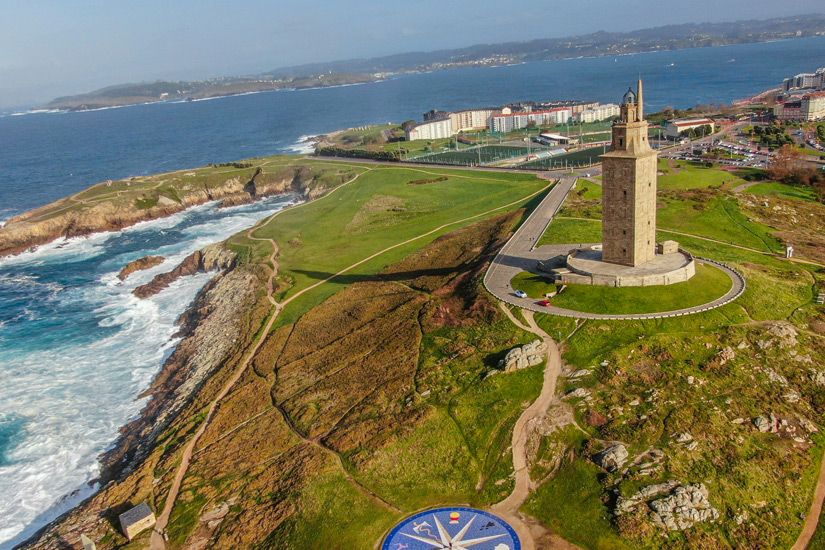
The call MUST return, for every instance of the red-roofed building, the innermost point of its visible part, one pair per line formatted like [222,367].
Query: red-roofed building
[674,128]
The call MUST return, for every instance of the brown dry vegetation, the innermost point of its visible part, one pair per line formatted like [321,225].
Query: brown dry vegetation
[326,398]
[799,223]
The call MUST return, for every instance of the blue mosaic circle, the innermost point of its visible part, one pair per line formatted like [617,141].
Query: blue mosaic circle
[453,528]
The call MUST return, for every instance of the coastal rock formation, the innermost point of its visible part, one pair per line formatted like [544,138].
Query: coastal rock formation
[613,458]
[211,257]
[147,262]
[112,206]
[211,329]
[524,356]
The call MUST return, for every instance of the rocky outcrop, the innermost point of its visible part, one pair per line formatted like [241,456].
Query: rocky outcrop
[141,264]
[727,354]
[612,459]
[214,256]
[768,424]
[683,506]
[524,356]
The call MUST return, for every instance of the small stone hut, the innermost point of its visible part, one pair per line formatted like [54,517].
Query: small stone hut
[136,520]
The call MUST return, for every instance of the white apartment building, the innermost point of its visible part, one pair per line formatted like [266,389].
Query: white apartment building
[813,106]
[516,121]
[431,129]
[805,81]
[595,114]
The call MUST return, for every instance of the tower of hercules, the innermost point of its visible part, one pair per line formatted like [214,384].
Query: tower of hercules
[629,188]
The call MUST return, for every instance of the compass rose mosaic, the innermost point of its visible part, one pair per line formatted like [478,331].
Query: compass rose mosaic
[454,528]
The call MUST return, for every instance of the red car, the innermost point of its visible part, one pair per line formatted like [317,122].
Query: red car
[544,303]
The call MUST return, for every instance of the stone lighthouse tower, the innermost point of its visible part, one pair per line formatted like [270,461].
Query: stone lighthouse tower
[629,188]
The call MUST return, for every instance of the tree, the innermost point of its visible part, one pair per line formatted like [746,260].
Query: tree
[786,165]
[407,124]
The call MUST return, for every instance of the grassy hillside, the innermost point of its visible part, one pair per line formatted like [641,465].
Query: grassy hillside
[372,397]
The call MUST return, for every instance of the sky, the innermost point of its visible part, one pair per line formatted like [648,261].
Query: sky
[50,48]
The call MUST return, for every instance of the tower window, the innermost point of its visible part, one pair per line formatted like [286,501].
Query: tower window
[621,142]
[624,251]
[624,231]
[625,192]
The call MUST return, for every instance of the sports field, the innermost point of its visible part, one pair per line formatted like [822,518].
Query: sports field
[474,156]
[585,157]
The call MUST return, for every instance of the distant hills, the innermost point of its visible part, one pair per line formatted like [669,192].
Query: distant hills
[670,37]
[357,71]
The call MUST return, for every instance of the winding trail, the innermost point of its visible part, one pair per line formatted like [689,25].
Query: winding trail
[157,539]
[814,514]
[508,509]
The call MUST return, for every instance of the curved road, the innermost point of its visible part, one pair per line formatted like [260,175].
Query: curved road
[521,253]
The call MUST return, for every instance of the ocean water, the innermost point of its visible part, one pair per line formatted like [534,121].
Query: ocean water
[47,156]
[76,348]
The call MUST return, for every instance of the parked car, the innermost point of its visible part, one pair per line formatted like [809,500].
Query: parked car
[521,294]
[544,303]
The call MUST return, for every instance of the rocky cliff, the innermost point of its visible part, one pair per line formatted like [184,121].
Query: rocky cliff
[111,206]
[209,258]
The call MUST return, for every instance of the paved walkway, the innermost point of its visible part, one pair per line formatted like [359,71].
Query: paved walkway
[521,253]
[745,186]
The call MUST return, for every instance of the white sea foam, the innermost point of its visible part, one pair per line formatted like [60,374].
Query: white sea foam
[302,146]
[75,394]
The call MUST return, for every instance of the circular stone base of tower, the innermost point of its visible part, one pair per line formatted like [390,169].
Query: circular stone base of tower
[585,267]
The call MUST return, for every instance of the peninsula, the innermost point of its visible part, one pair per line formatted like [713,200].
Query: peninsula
[358,71]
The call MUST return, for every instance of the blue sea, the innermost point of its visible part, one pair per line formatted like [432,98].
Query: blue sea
[76,348]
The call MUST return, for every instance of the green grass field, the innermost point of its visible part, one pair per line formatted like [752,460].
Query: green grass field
[716,218]
[565,231]
[378,210]
[588,190]
[691,175]
[534,285]
[708,284]
[782,191]
[470,157]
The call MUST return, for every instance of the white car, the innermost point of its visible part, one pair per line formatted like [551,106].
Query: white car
[521,294]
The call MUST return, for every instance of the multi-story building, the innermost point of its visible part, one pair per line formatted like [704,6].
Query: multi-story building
[515,121]
[674,128]
[808,107]
[472,119]
[791,109]
[595,114]
[431,129]
[805,81]
[813,106]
